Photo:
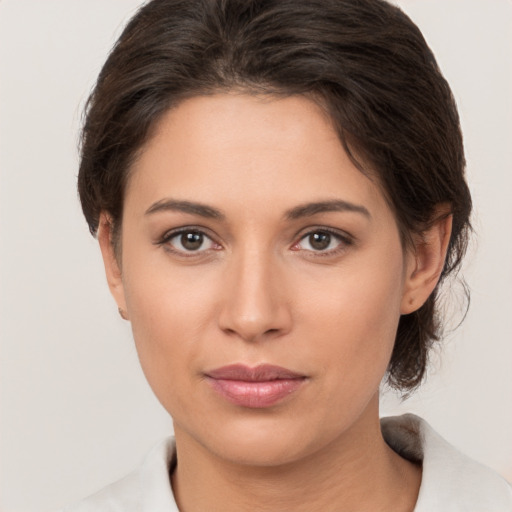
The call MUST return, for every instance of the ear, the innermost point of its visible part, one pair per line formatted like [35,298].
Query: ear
[425,261]
[112,263]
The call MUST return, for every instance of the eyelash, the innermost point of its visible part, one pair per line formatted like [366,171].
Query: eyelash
[175,233]
[344,240]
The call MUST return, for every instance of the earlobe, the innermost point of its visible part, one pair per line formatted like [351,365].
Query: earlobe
[426,261]
[111,263]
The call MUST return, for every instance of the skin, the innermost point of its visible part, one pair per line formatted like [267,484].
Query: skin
[258,291]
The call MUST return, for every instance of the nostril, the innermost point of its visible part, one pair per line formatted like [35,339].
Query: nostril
[252,334]
[252,309]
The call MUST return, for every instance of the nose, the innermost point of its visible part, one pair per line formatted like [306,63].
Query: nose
[255,305]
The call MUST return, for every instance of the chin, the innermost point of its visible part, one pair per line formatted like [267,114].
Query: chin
[263,442]
[259,451]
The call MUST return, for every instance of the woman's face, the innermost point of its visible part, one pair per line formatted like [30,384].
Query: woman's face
[249,238]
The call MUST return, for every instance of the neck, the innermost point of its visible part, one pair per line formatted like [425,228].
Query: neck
[357,471]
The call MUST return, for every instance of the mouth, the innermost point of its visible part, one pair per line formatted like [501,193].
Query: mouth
[259,387]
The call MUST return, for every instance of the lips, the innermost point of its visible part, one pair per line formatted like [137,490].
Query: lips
[258,387]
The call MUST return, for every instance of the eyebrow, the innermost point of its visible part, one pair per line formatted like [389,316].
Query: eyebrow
[300,211]
[185,207]
[337,205]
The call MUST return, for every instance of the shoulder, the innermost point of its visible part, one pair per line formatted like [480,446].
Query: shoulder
[450,481]
[146,489]
[123,495]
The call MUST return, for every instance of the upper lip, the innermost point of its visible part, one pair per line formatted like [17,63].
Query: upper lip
[260,373]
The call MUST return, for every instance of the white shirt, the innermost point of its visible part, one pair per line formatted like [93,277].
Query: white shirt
[451,482]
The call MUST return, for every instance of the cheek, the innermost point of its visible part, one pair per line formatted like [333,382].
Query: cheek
[344,326]
[354,317]
[170,315]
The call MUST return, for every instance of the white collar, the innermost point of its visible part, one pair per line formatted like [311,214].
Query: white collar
[451,482]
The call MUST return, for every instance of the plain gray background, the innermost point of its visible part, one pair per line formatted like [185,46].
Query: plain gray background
[76,412]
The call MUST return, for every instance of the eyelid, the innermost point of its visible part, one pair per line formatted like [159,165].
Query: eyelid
[172,233]
[344,238]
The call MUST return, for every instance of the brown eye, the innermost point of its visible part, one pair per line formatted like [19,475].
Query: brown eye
[319,241]
[188,241]
[192,241]
[322,241]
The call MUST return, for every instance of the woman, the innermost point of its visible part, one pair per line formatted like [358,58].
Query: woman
[278,191]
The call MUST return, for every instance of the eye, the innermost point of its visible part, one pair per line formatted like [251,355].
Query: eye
[322,241]
[189,241]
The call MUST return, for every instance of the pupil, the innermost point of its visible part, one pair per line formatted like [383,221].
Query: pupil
[192,241]
[320,241]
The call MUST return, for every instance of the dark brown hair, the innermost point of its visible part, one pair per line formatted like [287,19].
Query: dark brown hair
[364,61]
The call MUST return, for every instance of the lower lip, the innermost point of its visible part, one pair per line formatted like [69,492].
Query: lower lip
[255,395]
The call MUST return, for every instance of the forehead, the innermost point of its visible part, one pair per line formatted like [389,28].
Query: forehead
[249,151]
